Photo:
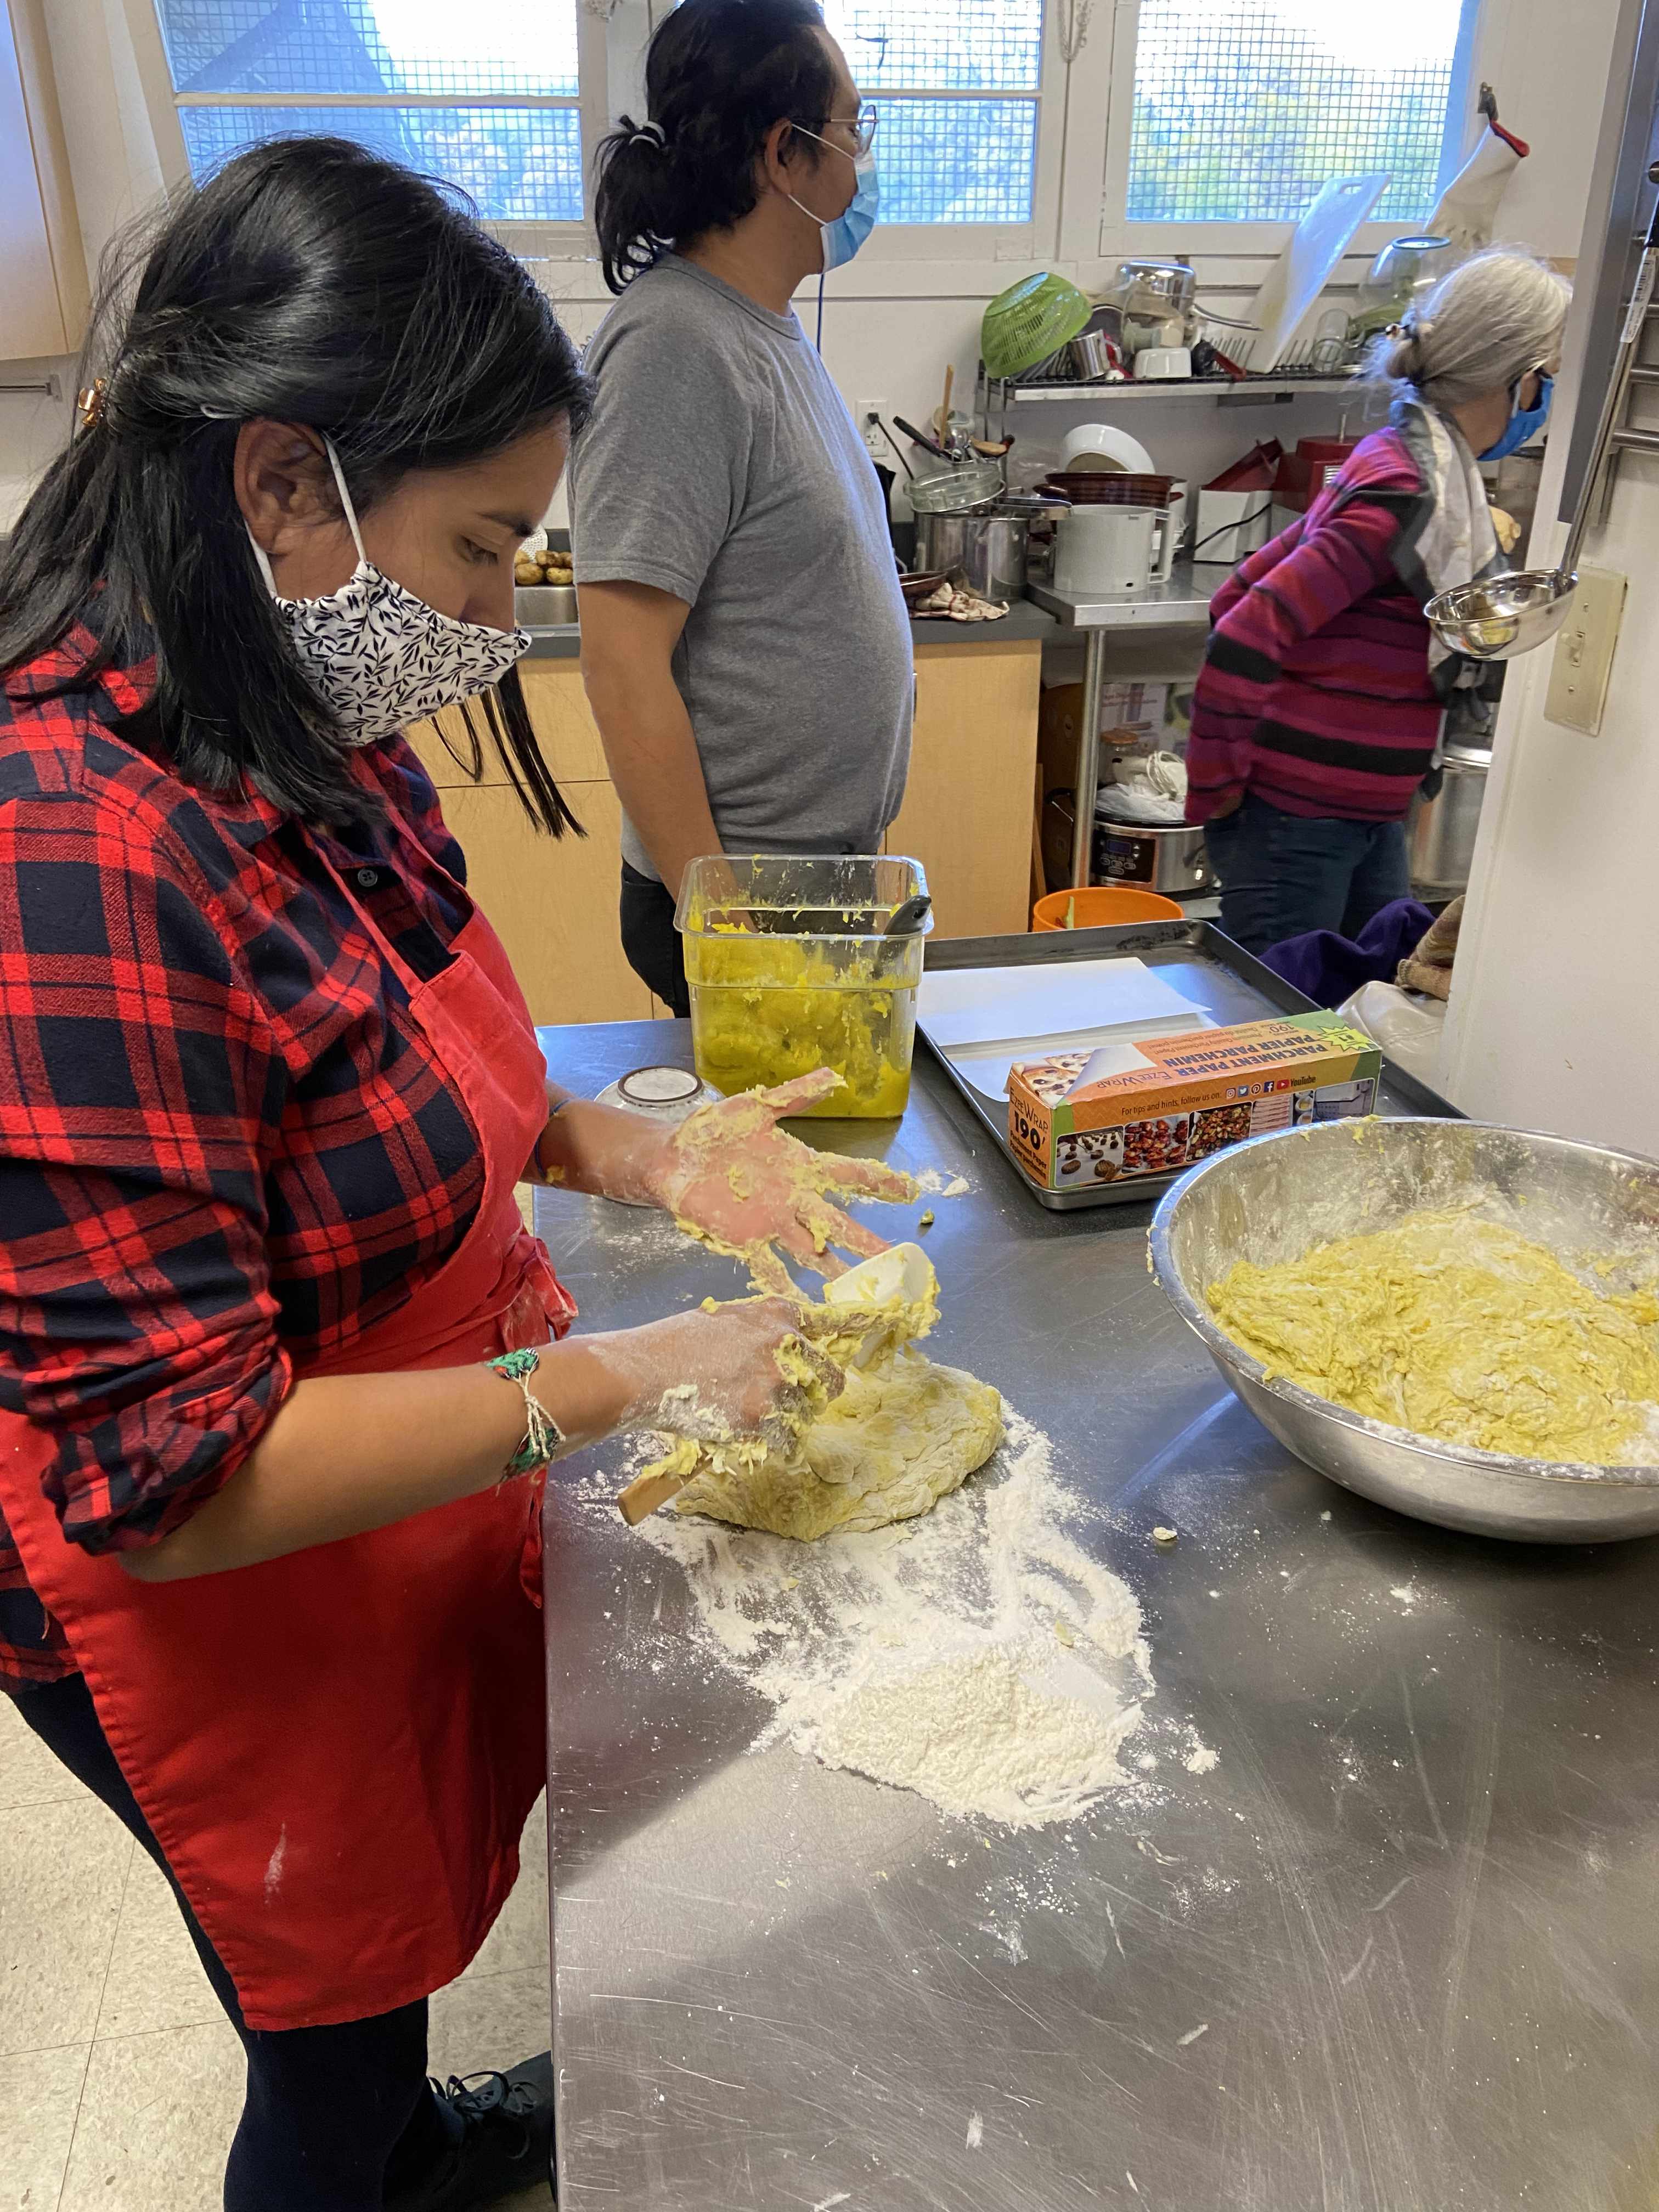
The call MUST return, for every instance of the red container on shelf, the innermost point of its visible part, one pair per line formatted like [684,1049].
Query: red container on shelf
[1253,472]
[1304,474]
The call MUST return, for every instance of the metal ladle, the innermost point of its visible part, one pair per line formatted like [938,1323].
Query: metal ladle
[1504,615]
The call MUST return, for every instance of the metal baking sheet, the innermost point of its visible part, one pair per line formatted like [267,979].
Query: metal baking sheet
[1195,958]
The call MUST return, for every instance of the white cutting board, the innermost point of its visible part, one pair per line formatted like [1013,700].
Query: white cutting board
[1033,1006]
[1304,269]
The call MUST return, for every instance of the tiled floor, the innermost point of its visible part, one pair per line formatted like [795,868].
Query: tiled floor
[120,2080]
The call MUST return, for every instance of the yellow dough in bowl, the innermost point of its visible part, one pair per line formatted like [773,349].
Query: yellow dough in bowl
[1461,1330]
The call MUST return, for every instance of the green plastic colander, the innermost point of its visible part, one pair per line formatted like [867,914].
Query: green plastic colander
[1028,322]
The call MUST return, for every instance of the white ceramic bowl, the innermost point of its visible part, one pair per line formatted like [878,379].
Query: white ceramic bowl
[1100,445]
[1162,364]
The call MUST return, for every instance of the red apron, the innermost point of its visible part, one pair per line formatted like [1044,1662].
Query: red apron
[338,1750]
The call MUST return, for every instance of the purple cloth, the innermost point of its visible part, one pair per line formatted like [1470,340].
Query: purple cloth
[1325,968]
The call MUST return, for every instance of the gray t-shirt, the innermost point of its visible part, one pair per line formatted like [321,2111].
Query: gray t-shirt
[721,465]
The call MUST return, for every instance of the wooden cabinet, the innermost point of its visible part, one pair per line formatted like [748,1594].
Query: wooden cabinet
[966,817]
[552,900]
[43,268]
[966,811]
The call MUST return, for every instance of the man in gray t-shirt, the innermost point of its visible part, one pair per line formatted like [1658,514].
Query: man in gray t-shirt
[745,642]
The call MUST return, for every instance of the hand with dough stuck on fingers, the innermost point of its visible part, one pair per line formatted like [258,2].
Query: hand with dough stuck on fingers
[731,1177]
[748,1370]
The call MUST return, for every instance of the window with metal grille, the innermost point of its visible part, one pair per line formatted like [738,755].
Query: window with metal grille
[1244,108]
[483,94]
[955,83]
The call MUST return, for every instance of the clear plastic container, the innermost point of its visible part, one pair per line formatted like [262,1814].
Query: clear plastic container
[788,971]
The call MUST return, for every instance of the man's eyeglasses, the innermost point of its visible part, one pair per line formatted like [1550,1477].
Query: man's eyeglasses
[862,126]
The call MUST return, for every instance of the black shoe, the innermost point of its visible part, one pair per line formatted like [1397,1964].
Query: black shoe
[506,2141]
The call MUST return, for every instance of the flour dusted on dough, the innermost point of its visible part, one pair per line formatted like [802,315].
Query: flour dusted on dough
[900,1436]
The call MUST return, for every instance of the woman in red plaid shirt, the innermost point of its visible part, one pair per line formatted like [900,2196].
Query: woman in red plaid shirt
[280,1370]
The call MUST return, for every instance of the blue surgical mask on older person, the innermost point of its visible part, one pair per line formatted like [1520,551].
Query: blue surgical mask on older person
[1523,422]
[843,237]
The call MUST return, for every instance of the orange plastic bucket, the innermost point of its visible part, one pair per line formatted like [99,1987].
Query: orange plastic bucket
[1100,907]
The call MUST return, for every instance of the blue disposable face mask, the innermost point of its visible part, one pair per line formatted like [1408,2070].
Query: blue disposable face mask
[1523,422]
[843,237]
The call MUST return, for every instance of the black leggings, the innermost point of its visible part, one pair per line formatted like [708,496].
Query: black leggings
[336,2118]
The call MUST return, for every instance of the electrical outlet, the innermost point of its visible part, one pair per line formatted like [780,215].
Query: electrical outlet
[1583,652]
[865,412]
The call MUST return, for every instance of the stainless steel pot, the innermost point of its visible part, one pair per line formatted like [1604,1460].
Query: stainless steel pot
[1441,830]
[992,549]
[1174,861]
[1152,290]
[1131,855]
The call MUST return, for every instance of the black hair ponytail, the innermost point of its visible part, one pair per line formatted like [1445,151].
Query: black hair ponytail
[313,282]
[718,75]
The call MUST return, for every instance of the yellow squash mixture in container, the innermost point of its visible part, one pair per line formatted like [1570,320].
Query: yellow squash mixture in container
[788,971]
[1462,1329]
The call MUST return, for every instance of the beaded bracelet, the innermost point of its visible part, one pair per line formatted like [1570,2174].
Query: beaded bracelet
[544,1439]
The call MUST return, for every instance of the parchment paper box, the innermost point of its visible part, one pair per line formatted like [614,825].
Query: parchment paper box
[1142,1109]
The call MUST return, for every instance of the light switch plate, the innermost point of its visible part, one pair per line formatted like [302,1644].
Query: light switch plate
[1583,652]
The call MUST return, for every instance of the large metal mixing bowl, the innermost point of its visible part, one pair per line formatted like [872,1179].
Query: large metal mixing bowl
[1272,1198]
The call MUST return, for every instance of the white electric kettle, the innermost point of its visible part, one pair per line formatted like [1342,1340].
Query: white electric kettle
[1117,548]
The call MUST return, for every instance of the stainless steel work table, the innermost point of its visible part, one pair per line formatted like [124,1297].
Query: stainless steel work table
[1397,1953]
[1181,600]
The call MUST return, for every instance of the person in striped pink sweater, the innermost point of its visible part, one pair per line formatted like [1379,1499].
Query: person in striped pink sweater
[1318,711]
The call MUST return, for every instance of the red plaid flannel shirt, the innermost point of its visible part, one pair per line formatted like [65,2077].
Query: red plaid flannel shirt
[224,1147]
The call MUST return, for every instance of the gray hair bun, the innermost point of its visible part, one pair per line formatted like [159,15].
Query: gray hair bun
[1407,349]
[1487,323]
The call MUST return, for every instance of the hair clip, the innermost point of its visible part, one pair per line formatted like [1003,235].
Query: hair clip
[89,404]
[651,132]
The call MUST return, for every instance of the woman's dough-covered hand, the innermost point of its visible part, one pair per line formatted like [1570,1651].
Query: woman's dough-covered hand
[721,1374]
[731,1176]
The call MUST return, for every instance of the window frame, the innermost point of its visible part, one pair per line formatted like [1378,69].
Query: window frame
[1251,238]
[957,242]
[1083,117]
[550,239]
[899,261]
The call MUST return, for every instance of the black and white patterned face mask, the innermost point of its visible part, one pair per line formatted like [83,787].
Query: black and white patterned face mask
[379,655]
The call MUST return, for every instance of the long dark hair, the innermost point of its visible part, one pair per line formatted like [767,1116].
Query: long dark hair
[718,75]
[313,282]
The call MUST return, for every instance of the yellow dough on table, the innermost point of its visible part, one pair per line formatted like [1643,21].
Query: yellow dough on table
[1460,1329]
[897,1439]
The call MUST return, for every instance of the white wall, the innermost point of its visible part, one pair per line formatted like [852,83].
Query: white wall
[1552,1023]
[890,325]
[31,427]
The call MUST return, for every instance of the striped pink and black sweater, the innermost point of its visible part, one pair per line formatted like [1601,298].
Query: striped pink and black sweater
[1315,693]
